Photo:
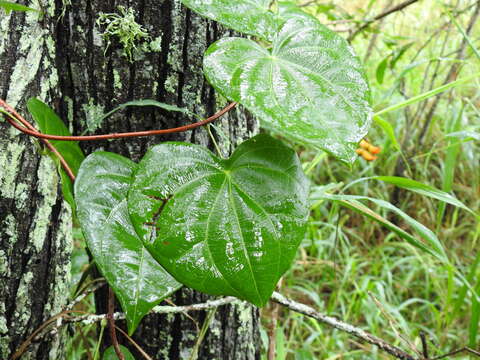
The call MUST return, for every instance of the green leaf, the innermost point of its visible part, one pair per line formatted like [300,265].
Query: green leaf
[9,6]
[381,69]
[138,280]
[309,86]
[428,94]
[145,102]
[389,131]
[50,123]
[422,189]
[223,227]
[251,17]
[110,353]
[464,135]
[430,243]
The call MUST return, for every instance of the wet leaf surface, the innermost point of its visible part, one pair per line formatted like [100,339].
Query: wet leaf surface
[251,17]
[309,86]
[138,281]
[223,227]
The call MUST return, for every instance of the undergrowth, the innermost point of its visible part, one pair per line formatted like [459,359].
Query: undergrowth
[356,270]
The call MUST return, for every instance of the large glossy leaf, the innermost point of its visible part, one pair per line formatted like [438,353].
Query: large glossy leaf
[50,123]
[251,17]
[137,279]
[228,227]
[309,86]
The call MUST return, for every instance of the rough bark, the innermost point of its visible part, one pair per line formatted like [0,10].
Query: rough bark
[91,81]
[35,241]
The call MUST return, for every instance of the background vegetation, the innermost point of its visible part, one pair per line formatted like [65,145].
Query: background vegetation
[356,269]
[353,268]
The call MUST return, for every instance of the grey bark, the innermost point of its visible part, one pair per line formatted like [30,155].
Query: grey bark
[35,240]
[84,81]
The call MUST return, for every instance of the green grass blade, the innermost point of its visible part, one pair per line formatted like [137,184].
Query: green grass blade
[388,129]
[9,6]
[430,245]
[423,189]
[474,319]
[450,164]
[465,35]
[427,94]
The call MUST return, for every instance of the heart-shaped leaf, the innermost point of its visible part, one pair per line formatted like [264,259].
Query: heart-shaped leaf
[137,279]
[223,227]
[251,17]
[310,86]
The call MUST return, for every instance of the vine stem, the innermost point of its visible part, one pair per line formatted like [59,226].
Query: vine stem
[111,324]
[33,132]
[29,129]
[12,114]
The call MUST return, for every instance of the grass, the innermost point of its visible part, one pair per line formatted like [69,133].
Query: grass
[361,272]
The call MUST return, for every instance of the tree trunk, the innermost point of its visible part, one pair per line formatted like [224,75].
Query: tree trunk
[35,223]
[82,77]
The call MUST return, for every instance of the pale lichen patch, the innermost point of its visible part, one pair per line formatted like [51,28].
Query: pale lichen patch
[10,159]
[93,113]
[29,57]
[47,189]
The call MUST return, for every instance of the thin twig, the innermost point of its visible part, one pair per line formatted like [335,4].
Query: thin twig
[386,13]
[138,347]
[24,346]
[451,75]
[111,324]
[90,319]
[342,326]
[464,349]
[279,299]
[272,328]
[393,323]
[423,337]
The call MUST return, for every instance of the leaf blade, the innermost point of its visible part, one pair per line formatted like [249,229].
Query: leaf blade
[100,191]
[221,232]
[50,123]
[310,86]
[251,17]
[9,6]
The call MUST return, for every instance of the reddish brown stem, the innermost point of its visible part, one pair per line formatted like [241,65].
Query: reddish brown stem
[111,324]
[47,143]
[29,129]
[39,135]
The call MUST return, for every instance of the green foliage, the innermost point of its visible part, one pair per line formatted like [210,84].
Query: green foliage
[9,6]
[350,261]
[227,227]
[252,17]
[50,123]
[138,280]
[110,353]
[224,227]
[308,86]
[347,259]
